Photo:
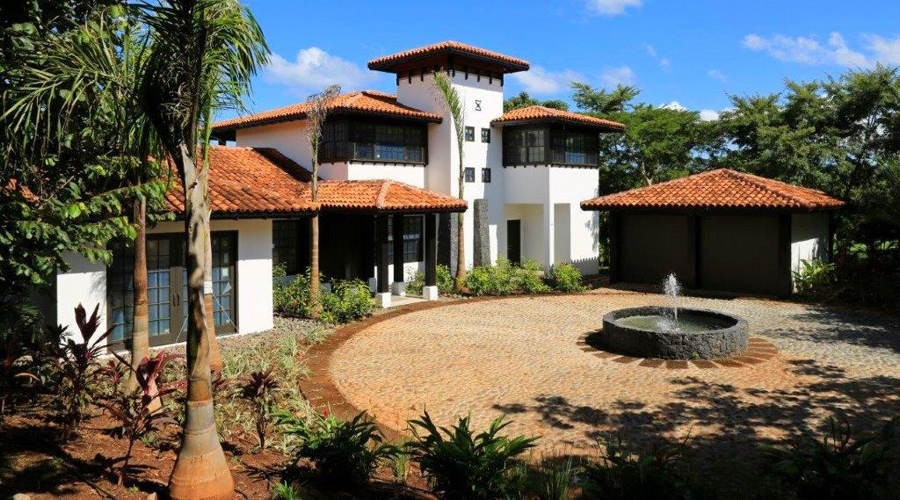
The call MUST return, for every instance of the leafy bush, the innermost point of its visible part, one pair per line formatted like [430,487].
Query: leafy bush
[444,281]
[139,412]
[566,278]
[814,277]
[835,466]
[348,301]
[553,479]
[259,388]
[498,279]
[462,464]
[340,449]
[77,366]
[529,277]
[622,474]
[19,327]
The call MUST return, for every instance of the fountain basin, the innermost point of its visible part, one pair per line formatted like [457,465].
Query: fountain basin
[642,332]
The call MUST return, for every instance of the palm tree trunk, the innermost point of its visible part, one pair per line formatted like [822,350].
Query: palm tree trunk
[460,231]
[201,470]
[215,354]
[314,266]
[140,336]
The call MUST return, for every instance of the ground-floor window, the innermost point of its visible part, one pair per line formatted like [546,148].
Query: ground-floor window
[167,287]
[412,238]
[286,245]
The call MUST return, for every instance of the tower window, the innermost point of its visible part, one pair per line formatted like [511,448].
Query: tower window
[469,174]
[470,134]
[486,135]
[486,175]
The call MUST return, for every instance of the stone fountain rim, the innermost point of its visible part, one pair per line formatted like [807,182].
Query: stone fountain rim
[611,317]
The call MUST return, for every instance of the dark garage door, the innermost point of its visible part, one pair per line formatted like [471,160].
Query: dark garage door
[652,246]
[739,254]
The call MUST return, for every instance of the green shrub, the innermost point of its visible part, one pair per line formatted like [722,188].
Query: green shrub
[498,279]
[529,278]
[462,464]
[835,466]
[444,281]
[341,450]
[815,277]
[566,278]
[622,474]
[348,301]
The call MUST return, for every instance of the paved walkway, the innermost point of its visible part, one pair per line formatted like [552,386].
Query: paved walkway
[525,358]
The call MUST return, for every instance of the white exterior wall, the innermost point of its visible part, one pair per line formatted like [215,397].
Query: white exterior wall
[410,174]
[289,138]
[809,238]
[85,282]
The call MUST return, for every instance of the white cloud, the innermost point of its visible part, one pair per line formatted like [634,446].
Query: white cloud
[808,50]
[651,51]
[664,62]
[617,76]
[886,51]
[709,115]
[538,80]
[675,105]
[717,75]
[313,69]
[611,7]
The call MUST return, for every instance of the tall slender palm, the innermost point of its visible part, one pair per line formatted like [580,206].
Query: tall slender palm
[451,100]
[205,52]
[316,113]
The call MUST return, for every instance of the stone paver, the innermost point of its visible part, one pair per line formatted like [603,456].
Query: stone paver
[525,358]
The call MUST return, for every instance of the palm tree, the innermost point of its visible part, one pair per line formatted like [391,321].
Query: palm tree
[450,99]
[316,113]
[204,54]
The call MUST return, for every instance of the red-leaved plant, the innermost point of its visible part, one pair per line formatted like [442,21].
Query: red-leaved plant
[77,366]
[259,389]
[138,412]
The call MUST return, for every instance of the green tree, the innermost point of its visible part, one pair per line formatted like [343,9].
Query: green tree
[523,100]
[599,102]
[204,55]
[450,99]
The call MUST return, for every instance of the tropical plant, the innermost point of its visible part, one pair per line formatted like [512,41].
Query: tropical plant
[19,325]
[837,465]
[554,479]
[348,300]
[77,365]
[814,277]
[285,491]
[462,464]
[498,279]
[444,281]
[204,55]
[259,389]
[529,277]
[317,107]
[138,411]
[524,100]
[566,278]
[340,449]
[654,473]
[449,98]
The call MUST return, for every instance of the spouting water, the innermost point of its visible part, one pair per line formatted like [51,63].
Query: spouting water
[673,290]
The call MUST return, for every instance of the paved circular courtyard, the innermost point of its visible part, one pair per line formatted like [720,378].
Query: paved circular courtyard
[525,357]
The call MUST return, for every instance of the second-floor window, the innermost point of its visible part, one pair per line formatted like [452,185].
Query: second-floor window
[469,174]
[470,134]
[485,135]
[372,141]
[555,146]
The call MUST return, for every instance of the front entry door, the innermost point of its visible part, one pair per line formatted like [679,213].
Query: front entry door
[514,241]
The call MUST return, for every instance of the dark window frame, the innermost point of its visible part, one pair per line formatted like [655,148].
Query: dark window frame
[413,239]
[486,135]
[370,141]
[486,175]
[469,174]
[470,134]
[286,245]
[551,145]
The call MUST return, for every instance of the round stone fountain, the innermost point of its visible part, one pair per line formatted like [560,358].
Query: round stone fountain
[673,332]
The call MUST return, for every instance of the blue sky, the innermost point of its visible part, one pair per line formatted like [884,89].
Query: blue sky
[694,52]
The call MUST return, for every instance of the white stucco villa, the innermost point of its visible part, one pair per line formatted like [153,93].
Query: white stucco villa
[390,172]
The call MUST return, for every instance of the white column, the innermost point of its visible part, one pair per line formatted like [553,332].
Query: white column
[549,242]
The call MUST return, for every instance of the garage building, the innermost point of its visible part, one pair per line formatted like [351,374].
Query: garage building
[722,231]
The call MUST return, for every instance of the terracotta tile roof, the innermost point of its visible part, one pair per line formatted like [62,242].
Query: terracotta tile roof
[541,113]
[721,188]
[384,196]
[510,64]
[250,181]
[366,102]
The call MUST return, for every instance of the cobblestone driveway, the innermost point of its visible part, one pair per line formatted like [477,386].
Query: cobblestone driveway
[520,357]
